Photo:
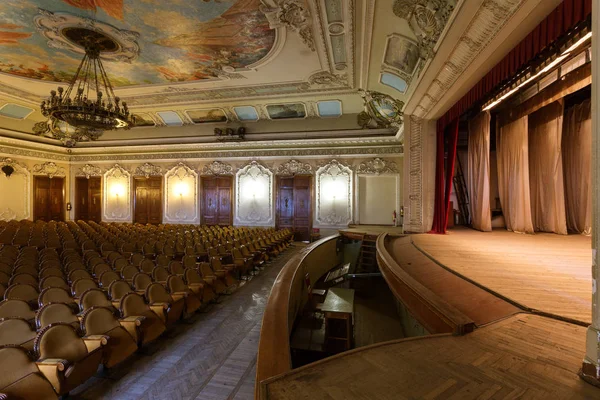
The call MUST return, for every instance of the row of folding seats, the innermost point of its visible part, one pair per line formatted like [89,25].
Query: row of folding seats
[97,300]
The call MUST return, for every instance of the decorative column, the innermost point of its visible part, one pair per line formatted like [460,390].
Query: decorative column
[590,370]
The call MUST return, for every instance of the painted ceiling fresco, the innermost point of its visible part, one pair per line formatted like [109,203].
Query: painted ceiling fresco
[179,40]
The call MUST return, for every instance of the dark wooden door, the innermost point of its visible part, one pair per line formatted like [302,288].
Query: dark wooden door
[294,210]
[216,204]
[88,199]
[148,200]
[49,199]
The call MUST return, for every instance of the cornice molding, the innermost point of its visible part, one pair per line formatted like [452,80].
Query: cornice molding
[377,166]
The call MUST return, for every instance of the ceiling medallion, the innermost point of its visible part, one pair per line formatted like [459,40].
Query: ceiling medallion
[381,110]
[89,104]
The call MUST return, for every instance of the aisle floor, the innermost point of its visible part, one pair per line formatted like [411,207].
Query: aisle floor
[211,357]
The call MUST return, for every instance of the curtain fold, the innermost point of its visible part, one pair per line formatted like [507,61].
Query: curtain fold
[513,174]
[478,175]
[547,192]
[577,145]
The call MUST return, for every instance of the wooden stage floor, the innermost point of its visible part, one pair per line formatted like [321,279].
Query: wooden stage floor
[542,272]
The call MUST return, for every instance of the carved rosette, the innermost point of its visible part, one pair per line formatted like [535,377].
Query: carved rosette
[50,169]
[89,170]
[334,194]
[377,166]
[294,167]
[217,168]
[254,195]
[147,170]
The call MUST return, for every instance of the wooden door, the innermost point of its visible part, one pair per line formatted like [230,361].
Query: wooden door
[88,199]
[302,207]
[148,200]
[216,205]
[82,200]
[49,199]
[294,205]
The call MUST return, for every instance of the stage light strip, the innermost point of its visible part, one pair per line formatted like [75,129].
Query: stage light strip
[547,68]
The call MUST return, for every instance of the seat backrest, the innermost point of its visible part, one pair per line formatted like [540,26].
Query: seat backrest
[98,269]
[15,364]
[129,272]
[55,312]
[15,331]
[133,304]
[162,260]
[24,278]
[118,289]
[60,340]
[156,293]
[81,285]
[16,308]
[107,278]
[192,276]
[99,320]
[136,259]
[54,295]
[176,268]
[51,271]
[147,266]
[176,284]
[21,291]
[4,278]
[160,274]
[205,269]
[141,281]
[78,274]
[53,281]
[120,263]
[94,297]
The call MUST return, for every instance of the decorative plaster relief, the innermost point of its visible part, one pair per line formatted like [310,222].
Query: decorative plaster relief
[89,170]
[147,170]
[377,166]
[294,167]
[217,168]
[334,186]
[292,14]
[254,196]
[49,168]
[181,188]
[117,194]
[18,183]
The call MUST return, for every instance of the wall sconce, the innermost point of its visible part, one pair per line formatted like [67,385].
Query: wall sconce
[181,189]
[118,190]
[334,189]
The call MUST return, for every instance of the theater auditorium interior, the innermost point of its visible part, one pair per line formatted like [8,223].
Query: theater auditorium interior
[299,199]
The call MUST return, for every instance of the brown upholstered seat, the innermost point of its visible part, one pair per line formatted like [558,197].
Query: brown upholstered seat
[24,278]
[65,358]
[223,271]
[128,272]
[53,281]
[81,285]
[177,287]
[242,263]
[134,305]
[209,276]
[16,308]
[51,271]
[20,377]
[23,292]
[123,334]
[206,290]
[17,331]
[107,278]
[56,312]
[95,297]
[56,295]
[157,294]
[160,274]
[141,281]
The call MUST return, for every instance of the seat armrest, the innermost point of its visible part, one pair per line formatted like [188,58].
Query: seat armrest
[160,309]
[195,285]
[179,295]
[93,342]
[132,324]
[53,370]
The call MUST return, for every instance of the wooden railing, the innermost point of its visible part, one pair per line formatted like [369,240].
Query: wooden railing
[288,297]
[432,312]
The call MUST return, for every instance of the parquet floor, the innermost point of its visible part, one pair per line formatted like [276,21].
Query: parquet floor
[212,357]
[523,357]
[546,272]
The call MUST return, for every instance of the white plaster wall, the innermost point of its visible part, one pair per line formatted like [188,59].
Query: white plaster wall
[254,196]
[117,195]
[181,192]
[334,196]
[378,197]
[15,195]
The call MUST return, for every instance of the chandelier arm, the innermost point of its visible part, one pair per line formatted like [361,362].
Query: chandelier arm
[74,80]
[109,89]
[98,100]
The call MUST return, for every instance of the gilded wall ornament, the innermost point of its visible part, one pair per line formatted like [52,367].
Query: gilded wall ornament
[292,14]
[217,168]
[377,166]
[294,167]
[50,169]
[89,170]
[147,170]
[381,110]
[326,78]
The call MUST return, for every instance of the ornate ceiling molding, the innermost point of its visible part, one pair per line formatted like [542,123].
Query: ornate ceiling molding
[488,21]
[377,166]
[217,168]
[147,170]
[292,14]
[89,170]
[49,168]
[294,167]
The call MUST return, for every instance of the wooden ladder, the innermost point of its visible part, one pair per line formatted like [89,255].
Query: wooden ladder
[367,259]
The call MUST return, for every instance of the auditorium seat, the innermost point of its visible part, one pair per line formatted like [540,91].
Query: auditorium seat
[177,287]
[65,358]
[53,281]
[134,305]
[17,331]
[223,271]
[16,308]
[206,274]
[56,295]
[81,285]
[56,312]
[121,344]
[20,377]
[156,294]
[19,291]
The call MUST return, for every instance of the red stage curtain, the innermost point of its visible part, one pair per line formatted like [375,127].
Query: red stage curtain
[442,195]
[563,18]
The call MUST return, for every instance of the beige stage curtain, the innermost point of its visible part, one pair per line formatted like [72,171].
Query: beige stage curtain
[478,174]
[546,169]
[577,145]
[513,174]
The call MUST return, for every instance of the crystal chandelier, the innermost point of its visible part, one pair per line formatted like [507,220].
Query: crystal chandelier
[89,104]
